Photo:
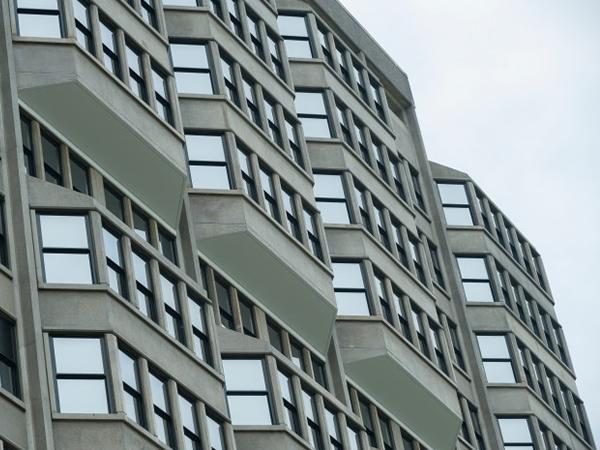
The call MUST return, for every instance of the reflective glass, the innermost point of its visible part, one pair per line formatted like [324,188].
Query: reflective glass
[493,346]
[329,186]
[347,275]
[128,370]
[82,396]
[64,231]
[499,371]
[458,216]
[67,268]
[453,193]
[316,127]
[298,49]
[37,25]
[209,177]
[215,436]
[515,430]
[292,26]
[473,268]
[78,355]
[111,246]
[352,304]
[249,410]
[203,147]
[334,212]
[193,83]
[478,292]
[310,103]
[189,56]
[244,375]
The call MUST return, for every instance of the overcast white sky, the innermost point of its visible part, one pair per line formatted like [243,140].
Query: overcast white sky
[509,92]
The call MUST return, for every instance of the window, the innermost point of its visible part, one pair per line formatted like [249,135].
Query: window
[363,209]
[132,392]
[349,287]
[52,160]
[231,90]
[296,354]
[79,175]
[148,12]
[143,284]
[113,200]
[397,169]
[215,433]
[39,18]
[379,152]
[417,190]
[291,129]
[291,213]
[312,420]
[456,347]
[420,330]
[268,190]
[383,297]
[455,204]
[496,358]
[343,122]
[333,430]
[273,121]
[208,165]
[255,36]
[323,35]
[141,224]
[436,340]
[341,52]
[313,114]
[515,433]
[386,432]
[382,229]
[83,29]
[167,245]
[289,402]
[360,80]
[66,251]
[319,371]
[361,140]
[331,198]
[224,301]
[475,279]
[474,416]
[27,145]
[354,442]
[163,422]
[173,319]
[435,264]
[275,338]
[275,55]
[377,98]
[401,312]
[80,375]
[114,261]
[234,18]
[137,82]
[415,250]
[201,343]
[249,88]
[161,95]
[314,243]
[294,31]
[192,69]
[110,52]
[247,316]
[399,242]
[249,185]
[4,260]
[367,418]
[189,423]
[9,377]
[247,393]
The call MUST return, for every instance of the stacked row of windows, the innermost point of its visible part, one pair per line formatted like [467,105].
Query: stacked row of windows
[49,159]
[132,272]
[353,286]
[381,432]
[470,429]
[9,374]
[343,200]
[307,412]
[304,41]
[237,312]
[519,433]
[124,58]
[146,9]
[256,34]
[556,395]
[480,286]
[81,367]
[195,73]
[459,210]
[500,364]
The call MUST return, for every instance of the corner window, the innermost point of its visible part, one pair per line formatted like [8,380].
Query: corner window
[201,343]
[249,88]
[192,69]
[331,198]
[349,288]
[161,95]
[163,421]
[455,204]
[9,377]
[83,29]
[114,261]
[247,392]
[66,254]
[110,51]
[496,358]
[475,279]
[80,375]
[294,31]
[289,402]
[173,319]
[39,18]
[208,164]
[313,114]
[137,82]
[312,420]
[132,392]
[515,433]
[143,284]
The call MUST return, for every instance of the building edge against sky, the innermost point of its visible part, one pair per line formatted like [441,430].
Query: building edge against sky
[220,230]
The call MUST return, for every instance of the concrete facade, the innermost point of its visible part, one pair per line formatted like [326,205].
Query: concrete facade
[220,230]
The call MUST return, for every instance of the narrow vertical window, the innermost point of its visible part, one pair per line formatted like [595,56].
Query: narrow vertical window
[379,153]
[455,203]
[384,300]
[386,432]
[113,200]
[163,422]
[314,242]
[515,433]
[363,209]
[435,264]
[377,98]
[360,80]
[173,319]
[496,358]
[399,242]
[361,141]
[141,224]
[289,402]
[143,283]
[114,263]
[420,329]
[417,189]
[333,430]
[39,18]
[350,291]
[66,251]
[415,250]
[367,418]
[382,228]
[247,316]
[79,175]
[312,420]
[201,343]
[52,159]
[475,279]
[249,88]
[275,55]
[273,121]
[224,301]
[110,53]
[397,169]
[149,13]
[27,146]
[189,422]
[234,18]
[456,347]
[9,376]
[255,36]
[323,35]
[192,69]
[343,122]
[83,29]
[161,96]
[401,312]
[215,433]
[269,194]
[4,259]
[436,340]
[207,161]
[137,82]
[167,245]
[340,53]
[80,375]
[331,198]
[132,392]
[291,128]
[247,392]
[294,31]
[249,184]
[313,114]
[231,90]
[291,213]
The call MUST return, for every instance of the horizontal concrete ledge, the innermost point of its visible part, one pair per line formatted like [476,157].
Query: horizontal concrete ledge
[279,272]
[265,438]
[13,422]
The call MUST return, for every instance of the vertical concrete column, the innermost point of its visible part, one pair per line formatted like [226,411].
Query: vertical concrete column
[233,160]
[38,154]
[95,28]
[372,294]
[476,211]
[146,392]
[65,167]
[184,310]
[97,251]
[127,257]
[173,403]
[113,371]
[159,307]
